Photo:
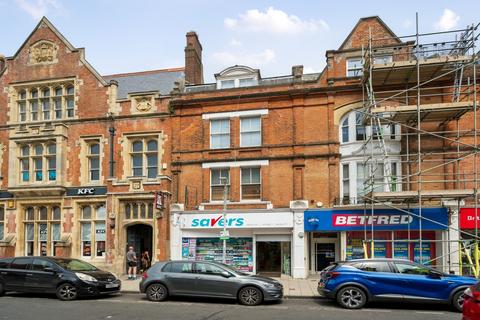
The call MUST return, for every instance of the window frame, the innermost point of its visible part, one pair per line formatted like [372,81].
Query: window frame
[220,184]
[90,156]
[259,131]
[358,71]
[36,221]
[249,184]
[225,133]
[145,155]
[42,167]
[93,221]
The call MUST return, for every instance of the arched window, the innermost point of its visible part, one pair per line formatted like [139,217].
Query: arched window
[359,127]
[345,127]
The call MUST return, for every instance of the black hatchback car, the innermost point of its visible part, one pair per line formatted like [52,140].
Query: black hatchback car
[67,278]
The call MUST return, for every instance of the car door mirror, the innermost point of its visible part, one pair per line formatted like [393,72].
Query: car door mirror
[225,274]
[435,275]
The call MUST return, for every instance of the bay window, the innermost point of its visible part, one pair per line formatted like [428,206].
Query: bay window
[38,162]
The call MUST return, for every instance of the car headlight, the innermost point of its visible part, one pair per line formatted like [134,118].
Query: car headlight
[85,277]
[268,285]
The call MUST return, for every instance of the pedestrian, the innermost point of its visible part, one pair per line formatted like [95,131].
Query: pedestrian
[145,261]
[132,263]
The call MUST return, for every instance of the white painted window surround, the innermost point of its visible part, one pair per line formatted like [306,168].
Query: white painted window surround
[233,114]
[235,164]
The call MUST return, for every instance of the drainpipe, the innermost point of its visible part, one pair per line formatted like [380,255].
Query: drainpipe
[111,130]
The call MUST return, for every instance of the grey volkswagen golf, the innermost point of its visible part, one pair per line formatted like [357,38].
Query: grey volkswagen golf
[207,279]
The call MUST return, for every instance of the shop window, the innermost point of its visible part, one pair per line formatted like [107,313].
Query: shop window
[38,162]
[250,132]
[354,67]
[141,210]
[218,179]
[144,158]
[42,230]
[220,134]
[345,129]
[46,103]
[2,222]
[93,230]
[251,187]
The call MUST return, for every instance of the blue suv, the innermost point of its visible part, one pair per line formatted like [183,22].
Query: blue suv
[354,283]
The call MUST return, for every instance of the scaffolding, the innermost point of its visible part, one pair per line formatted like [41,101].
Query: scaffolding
[426,85]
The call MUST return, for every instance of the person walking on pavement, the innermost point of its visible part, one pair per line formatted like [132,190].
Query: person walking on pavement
[145,261]
[132,263]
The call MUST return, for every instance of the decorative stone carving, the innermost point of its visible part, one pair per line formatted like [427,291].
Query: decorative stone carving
[144,104]
[43,52]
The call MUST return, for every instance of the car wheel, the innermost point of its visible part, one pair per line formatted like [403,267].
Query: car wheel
[458,299]
[157,292]
[250,296]
[351,297]
[67,292]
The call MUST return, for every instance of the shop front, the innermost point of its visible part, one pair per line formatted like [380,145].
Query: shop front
[469,224]
[341,234]
[257,242]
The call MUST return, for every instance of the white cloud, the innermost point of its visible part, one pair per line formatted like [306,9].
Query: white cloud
[236,43]
[448,21]
[226,58]
[39,8]
[274,21]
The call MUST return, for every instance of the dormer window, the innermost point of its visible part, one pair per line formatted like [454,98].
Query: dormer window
[237,77]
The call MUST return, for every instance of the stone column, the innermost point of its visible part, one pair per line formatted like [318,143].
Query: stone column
[176,210]
[451,261]
[299,240]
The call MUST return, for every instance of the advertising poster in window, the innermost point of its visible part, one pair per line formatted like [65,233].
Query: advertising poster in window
[401,250]
[239,251]
[355,249]
[87,249]
[426,252]
[380,249]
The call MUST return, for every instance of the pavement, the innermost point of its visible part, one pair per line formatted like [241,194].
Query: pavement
[292,288]
[129,306]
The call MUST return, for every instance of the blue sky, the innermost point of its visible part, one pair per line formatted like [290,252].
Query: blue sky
[127,36]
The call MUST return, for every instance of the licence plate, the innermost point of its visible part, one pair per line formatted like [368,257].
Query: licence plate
[111,285]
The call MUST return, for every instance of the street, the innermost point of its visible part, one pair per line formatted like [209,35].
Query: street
[135,306]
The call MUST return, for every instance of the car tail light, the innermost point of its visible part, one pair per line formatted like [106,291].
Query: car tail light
[144,275]
[332,274]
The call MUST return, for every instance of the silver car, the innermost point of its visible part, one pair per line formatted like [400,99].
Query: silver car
[207,279]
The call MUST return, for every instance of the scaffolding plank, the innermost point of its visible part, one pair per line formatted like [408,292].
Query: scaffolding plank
[396,196]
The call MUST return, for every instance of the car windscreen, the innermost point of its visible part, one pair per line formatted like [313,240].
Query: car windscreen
[75,265]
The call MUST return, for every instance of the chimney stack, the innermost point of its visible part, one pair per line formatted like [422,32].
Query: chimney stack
[193,59]
[297,71]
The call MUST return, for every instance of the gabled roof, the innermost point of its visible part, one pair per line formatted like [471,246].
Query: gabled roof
[161,81]
[45,22]
[379,20]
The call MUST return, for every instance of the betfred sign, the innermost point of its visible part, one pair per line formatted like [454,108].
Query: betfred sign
[467,218]
[237,220]
[381,219]
[376,220]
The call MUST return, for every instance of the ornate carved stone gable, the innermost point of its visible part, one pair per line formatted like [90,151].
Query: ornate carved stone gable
[43,52]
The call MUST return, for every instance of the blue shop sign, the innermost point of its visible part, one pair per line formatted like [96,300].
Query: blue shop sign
[382,219]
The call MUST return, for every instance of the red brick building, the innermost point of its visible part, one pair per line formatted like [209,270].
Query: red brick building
[83,155]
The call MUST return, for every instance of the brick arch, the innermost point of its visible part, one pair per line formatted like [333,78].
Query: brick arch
[341,111]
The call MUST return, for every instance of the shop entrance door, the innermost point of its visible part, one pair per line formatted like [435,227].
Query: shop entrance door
[269,258]
[324,255]
[140,237]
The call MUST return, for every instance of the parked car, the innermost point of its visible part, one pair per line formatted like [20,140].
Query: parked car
[471,303]
[67,278]
[354,283]
[207,279]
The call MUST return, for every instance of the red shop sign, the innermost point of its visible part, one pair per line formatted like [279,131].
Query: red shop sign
[467,218]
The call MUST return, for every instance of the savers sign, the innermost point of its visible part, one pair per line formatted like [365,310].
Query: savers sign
[382,219]
[237,220]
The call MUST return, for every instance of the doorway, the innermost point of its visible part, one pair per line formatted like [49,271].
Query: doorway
[140,237]
[273,258]
[324,255]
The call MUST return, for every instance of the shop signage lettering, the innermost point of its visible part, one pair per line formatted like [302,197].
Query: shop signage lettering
[382,219]
[376,220]
[86,191]
[467,218]
[217,222]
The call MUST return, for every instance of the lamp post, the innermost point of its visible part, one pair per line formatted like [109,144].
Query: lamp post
[224,216]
